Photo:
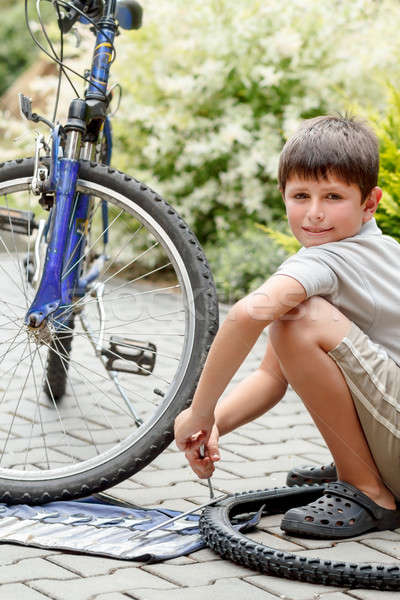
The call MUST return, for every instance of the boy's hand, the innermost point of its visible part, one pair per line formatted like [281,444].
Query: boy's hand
[203,466]
[191,431]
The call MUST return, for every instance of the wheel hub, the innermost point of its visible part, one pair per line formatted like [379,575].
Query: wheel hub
[43,334]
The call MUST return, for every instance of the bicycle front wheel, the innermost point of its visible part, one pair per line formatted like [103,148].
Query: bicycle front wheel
[142,326]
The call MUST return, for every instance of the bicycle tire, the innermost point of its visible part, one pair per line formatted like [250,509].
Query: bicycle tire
[58,363]
[217,531]
[196,321]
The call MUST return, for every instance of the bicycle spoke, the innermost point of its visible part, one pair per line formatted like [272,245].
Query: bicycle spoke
[18,403]
[156,352]
[138,278]
[87,252]
[76,304]
[2,356]
[37,409]
[13,305]
[76,364]
[23,281]
[75,396]
[54,403]
[121,249]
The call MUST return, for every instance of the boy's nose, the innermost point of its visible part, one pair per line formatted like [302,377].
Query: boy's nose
[315,213]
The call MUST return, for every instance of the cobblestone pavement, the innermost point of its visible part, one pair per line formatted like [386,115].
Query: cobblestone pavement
[256,456]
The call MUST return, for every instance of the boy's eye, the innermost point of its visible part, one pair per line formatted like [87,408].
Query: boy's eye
[300,195]
[334,196]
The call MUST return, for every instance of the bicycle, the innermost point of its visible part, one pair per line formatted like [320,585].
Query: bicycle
[107,303]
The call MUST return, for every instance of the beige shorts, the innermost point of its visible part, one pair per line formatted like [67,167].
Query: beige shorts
[374,382]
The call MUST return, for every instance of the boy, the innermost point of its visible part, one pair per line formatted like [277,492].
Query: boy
[334,335]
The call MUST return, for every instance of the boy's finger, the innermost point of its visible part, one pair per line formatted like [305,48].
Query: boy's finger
[213,451]
[195,441]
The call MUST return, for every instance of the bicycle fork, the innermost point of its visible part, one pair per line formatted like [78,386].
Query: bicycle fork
[55,290]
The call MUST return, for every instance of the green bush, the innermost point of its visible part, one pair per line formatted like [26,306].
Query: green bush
[207,106]
[16,45]
[241,263]
[388,131]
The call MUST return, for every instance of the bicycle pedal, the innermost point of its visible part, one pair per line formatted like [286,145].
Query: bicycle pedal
[17,221]
[140,355]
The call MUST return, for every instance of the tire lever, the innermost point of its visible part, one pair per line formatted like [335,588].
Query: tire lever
[170,521]
[210,487]
[212,500]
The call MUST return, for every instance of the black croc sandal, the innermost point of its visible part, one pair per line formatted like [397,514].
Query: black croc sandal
[308,475]
[343,511]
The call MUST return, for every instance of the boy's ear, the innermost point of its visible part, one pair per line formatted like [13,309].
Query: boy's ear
[371,203]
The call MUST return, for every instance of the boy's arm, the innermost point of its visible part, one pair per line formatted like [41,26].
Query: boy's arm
[233,342]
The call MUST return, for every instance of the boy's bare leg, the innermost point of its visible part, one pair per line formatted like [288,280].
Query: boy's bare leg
[301,341]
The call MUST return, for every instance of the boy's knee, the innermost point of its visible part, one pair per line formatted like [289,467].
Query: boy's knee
[304,315]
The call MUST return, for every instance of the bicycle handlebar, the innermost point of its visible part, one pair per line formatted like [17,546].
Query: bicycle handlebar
[128,12]
[91,8]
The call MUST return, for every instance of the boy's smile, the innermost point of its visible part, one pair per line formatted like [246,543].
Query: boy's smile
[326,210]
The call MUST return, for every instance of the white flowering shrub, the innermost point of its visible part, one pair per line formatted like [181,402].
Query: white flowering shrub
[213,88]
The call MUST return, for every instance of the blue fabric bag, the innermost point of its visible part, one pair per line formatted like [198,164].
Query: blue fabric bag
[100,525]
[104,526]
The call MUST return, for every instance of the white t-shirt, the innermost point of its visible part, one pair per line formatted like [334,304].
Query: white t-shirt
[360,275]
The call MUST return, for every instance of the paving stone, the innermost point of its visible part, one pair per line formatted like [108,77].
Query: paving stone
[176,504]
[252,426]
[88,566]
[289,589]
[22,592]
[112,596]
[258,468]
[308,432]
[231,456]
[30,569]
[274,541]
[276,422]
[12,553]
[167,477]
[372,595]
[204,555]
[180,560]
[220,590]
[156,495]
[335,596]
[319,441]
[265,451]
[308,543]
[236,437]
[196,574]
[253,483]
[270,521]
[169,461]
[392,548]
[349,551]
[123,580]
[320,457]
[391,536]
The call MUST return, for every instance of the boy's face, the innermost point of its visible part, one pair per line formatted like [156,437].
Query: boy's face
[326,210]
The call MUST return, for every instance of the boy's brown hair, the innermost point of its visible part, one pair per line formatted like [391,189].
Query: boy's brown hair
[345,147]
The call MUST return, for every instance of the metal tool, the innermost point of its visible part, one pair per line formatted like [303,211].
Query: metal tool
[185,514]
[210,487]
[189,512]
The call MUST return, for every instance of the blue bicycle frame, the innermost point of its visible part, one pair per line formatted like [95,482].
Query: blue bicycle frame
[60,281]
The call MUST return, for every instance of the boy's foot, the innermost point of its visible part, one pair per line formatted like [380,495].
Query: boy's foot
[309,475]
[343,511]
